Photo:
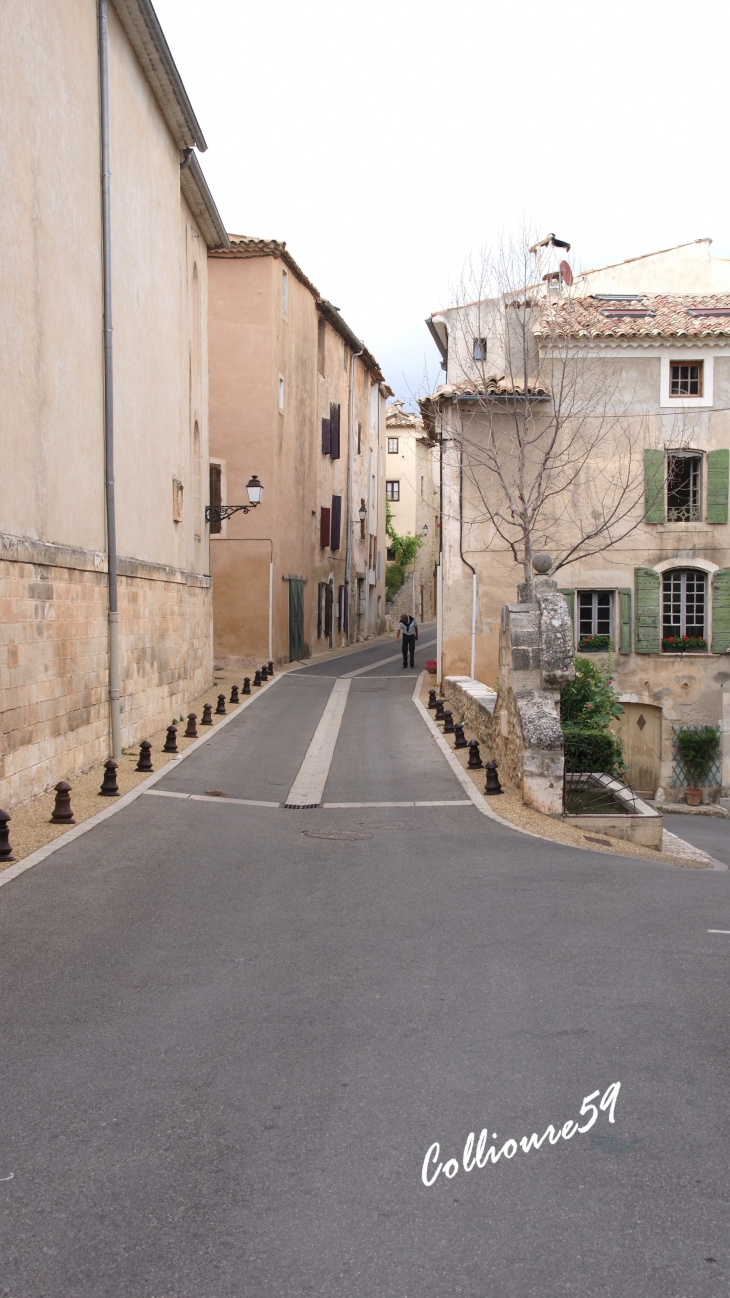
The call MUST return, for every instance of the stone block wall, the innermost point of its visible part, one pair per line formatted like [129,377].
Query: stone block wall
[54,661]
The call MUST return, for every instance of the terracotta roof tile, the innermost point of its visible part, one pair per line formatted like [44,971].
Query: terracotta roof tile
[644,316]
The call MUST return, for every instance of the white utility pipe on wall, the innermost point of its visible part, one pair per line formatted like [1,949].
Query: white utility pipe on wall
[271,610]
[473,622]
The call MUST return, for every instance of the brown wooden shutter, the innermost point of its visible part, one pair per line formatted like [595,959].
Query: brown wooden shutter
[336,522]
[325,436]
[328,610]
[324,527]
[335,431]
[215,495]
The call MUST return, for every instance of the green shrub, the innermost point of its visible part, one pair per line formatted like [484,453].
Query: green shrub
[593,751]
[697,748]
[589,702]
[395,576]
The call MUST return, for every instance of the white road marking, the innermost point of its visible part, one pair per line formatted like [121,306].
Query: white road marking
[446,802]
[308,787]
[718,930]
[206,797]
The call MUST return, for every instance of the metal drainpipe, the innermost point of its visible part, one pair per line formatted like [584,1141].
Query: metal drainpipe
[466,561]
[106,250]
[350,446]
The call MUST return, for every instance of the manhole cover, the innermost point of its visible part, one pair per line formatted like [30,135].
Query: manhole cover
[340,835]
[641,722]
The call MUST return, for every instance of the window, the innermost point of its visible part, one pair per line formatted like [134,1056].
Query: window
[281,393]
[390,555]
[683,487]
[215,496]
[359,439]
[392,490]
[685,378]
[594,613]
[362,520]
[334,431]
[479,349]
[373,407]
[284,293]
[177,500]
[392,446]
[321,326]
[683,600]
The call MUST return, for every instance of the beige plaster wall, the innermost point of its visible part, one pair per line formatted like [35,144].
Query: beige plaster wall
[51,380]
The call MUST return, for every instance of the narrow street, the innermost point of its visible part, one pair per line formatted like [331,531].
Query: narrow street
[231,1033]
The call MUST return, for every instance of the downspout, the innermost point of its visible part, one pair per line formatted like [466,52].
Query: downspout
[106,253]
[350,457]
[440,574]
[367,575]
[466,561]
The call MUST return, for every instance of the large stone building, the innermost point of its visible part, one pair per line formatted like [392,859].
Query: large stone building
[297,399]
[56,676]
[646,346]
[412,492]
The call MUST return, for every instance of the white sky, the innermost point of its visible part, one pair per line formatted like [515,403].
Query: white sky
[385,142]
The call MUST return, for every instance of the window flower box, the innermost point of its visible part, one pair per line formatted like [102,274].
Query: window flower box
[593,644]
[680,644]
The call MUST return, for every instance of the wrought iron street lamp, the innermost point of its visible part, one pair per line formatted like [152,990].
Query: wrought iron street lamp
[217,513]
[362,513]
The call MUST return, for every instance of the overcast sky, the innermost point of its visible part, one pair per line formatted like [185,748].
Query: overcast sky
[387,141]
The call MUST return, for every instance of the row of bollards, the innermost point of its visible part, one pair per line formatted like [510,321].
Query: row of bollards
[456,728]
[62,811]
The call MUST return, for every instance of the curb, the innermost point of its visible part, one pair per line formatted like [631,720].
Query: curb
[13,871]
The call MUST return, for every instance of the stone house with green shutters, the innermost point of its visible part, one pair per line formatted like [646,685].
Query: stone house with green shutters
[656,604]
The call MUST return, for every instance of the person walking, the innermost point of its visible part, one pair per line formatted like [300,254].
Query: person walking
[408,630]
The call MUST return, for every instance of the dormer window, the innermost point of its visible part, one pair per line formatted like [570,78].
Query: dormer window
[685,378]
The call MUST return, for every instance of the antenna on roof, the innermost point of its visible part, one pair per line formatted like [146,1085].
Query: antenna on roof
[566,273]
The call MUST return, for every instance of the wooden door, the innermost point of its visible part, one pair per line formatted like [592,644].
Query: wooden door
[640,730]
[296,620]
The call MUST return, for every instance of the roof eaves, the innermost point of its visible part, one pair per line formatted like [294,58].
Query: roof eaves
[242,246]
[194,189]
[147,39]
[331,314]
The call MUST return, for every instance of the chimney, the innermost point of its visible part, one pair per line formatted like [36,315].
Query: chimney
[548,254]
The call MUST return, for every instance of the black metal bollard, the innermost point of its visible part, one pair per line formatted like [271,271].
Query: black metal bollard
[246,685]
[145,756]
[257,678]
[270,668]
[206,719]
[191,730]
[448,722]
[234,694]
[170,745]
[6,851]
[439,713]
[493,785]
[461,740]
[221,709]
[264,673]
[110,788]
[431,698]
[475,762]
[62,813]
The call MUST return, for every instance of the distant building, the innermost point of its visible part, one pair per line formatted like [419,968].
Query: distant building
[658,327]
[412,492]
[298,399]
[55,681]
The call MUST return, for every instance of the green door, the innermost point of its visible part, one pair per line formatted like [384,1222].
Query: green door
[296,620]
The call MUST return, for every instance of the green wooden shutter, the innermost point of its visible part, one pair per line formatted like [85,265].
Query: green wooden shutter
[647,585]
[718,479]
[624,644]
[570,601]
[654,489]
[721,611]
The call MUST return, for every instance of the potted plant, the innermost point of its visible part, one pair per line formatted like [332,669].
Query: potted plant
[431,666]
[680,644]
[697,747]
[595,643]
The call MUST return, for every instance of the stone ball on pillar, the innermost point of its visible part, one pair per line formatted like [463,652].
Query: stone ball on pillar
[542,562]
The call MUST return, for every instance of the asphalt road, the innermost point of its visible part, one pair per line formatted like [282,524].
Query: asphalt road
[231,1033]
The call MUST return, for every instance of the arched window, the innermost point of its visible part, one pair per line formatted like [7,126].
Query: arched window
[684,602]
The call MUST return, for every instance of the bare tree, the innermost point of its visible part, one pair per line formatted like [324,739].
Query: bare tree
[549,439]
